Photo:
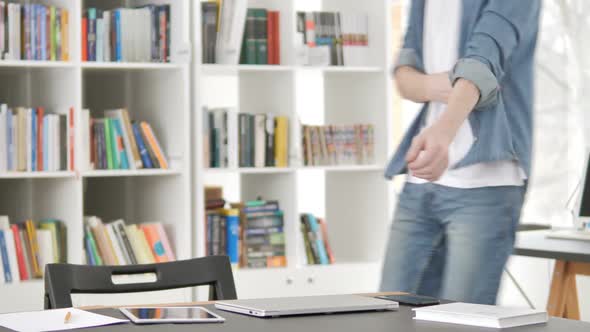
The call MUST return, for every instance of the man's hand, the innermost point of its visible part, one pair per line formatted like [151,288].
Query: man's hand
[428,157]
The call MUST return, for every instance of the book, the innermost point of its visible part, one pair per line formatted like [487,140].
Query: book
[155,243]
[261,32]
[481,315]
[231,30]
[249,48]
[210,12]
[154,144]
[259,140]
[104,246]
[117,245]
[139,245]
[20,253]
[26,254]
[34,248]
[274,38]
[165,241]
[124,240]
[281,141]
[45,254]
[143,152]
[232,224]
[7,275]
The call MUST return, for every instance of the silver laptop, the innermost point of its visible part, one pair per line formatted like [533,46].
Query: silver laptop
[581,230]
[305,305]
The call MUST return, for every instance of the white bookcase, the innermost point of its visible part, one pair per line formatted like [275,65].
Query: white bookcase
[158,93]
[355,200]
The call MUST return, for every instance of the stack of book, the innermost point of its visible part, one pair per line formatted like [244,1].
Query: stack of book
[314,232]
[332,38]
[127,34]
[236,34]
[116,243]
[245,140]
[33,32]
[250,233]
[263,235]
[26,248]
[116,142]
[338,145]
[32,140]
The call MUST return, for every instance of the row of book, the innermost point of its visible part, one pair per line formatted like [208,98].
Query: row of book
[32,139]
[33,32]
[26,248]
[332,38]
[116,243]
[127,34]
[116,142]
[250,233]
[235,139]
[260,40]
[314,232]
[338,145]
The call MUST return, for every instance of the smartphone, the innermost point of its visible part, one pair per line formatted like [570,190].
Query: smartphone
[411,300]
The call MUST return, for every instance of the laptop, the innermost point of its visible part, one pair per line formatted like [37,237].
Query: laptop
[305,305]
[581,230]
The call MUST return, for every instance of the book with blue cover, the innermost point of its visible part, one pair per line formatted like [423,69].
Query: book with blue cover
[121,152]
[145,158]
[4,257]
[91,34]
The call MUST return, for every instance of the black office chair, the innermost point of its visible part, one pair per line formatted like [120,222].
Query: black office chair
[61,280]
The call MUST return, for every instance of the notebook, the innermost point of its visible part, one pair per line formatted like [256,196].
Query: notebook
[481,315]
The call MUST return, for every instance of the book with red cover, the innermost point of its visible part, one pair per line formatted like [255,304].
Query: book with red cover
[22,267]
[274,35]
[40,113]
[84,39]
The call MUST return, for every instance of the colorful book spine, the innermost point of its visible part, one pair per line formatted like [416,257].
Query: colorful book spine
[91,34]
[109,144]
[120,145]
[33,152]
[118,37]
[155,145]
[22,268]
[4,257]
[153,238]
[232,224]
[40,136]
[65,33]
[145,158]
[84,32]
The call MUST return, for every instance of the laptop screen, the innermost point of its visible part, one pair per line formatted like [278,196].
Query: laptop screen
[585,199]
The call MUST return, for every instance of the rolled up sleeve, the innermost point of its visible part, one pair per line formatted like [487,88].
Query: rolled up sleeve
[409,54]
[502,26]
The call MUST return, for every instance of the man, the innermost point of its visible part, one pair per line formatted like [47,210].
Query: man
[468,152]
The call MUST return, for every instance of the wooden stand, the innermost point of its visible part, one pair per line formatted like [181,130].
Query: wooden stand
[563,296]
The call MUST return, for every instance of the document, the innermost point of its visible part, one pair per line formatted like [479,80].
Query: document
[55,320]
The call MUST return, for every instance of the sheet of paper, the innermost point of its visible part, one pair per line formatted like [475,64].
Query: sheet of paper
[53,320]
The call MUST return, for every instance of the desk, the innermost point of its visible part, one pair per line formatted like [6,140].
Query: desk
[572,258]
[389,321]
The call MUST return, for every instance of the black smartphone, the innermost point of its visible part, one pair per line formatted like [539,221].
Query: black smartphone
[411,300]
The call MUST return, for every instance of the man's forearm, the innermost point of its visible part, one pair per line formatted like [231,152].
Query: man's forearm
[462,100]
[422,88]
[411,84]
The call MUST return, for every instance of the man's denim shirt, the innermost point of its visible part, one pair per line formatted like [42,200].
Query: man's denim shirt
[496,53]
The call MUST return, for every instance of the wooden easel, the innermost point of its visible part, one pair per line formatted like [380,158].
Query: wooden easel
[563,296]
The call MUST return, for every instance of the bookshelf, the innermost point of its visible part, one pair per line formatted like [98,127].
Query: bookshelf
[355,199]
[158,93]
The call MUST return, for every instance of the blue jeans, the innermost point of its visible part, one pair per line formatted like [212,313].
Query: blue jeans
[451,243]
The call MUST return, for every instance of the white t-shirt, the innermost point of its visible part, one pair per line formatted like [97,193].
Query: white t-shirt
[442,31]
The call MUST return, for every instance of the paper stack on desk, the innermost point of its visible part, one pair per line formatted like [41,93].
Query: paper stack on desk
[481,315]
[54,320]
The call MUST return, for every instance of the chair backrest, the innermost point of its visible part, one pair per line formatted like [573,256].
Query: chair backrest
[62,280]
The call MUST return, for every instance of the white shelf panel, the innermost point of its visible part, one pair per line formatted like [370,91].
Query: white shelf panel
[212,69]
[251,170]
[120,173]
[346,168]
[343,69]
[35,64]
[129,65]
[37,175]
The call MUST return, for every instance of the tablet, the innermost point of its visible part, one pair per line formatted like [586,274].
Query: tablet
[160,315]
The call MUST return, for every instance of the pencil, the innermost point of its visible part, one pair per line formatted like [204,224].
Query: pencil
[67,318]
